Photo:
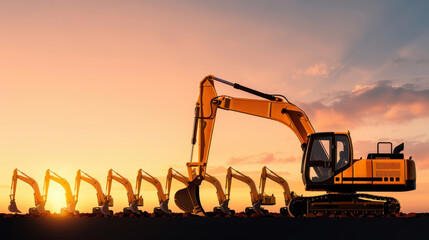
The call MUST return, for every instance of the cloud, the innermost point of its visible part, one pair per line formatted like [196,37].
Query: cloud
[377,103]
[410,60]
[317,70]
[216,170]
[418,150]
[262,158]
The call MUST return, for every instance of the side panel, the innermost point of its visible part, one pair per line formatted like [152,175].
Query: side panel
[362,172]
[348,175]
[391,171]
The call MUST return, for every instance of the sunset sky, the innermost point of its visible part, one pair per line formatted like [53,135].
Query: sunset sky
[95,85]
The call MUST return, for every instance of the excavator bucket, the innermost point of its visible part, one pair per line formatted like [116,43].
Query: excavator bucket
[105,209]
[188,199]
[12,207]
[164,207]
[257,207]
[224,208]
[134,207]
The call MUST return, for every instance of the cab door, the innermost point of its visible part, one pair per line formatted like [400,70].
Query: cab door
[319,161]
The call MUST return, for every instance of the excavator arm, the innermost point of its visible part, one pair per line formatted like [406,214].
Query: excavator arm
[39,200]
[162,198]
[273,107]
[133,200]
[70,199]
[102,199]
[254,196]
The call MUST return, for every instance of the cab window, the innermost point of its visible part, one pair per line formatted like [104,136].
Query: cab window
[342,151]
[321,153]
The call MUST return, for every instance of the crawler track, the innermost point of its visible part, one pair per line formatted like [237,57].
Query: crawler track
[344,203]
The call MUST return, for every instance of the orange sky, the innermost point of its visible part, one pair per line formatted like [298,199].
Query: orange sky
[112,84]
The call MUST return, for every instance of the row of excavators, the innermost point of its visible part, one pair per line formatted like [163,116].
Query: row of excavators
[328,164]
[135,199]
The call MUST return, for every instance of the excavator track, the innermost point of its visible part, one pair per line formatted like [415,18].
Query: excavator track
[344,203]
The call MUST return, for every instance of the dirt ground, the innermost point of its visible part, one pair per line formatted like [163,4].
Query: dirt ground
[85,226]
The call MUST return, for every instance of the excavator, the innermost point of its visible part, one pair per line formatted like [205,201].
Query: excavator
[134,200]
[39,200]
[70,199]
[162,198]
[255,197]
[103,202]
[327,165]
[267,173]
[223,201]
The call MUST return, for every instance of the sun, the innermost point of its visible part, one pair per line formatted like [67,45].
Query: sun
[56,198]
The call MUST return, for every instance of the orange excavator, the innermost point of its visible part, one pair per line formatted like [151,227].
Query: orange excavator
[103,202]
[39,200]
[327,165]
[162,198]
[70,199]
[255,197]
[134,200]
[223,201]
[267,173]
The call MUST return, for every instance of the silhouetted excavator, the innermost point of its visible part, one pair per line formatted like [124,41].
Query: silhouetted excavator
[70,199]
[256,198]
[222,198]
[134,200]
[39,200]
[267,173]
[103,201]
[328,163]
[162,198]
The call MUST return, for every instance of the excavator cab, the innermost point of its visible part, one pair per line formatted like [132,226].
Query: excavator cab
[268,200]
[326,155]
[139,200]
